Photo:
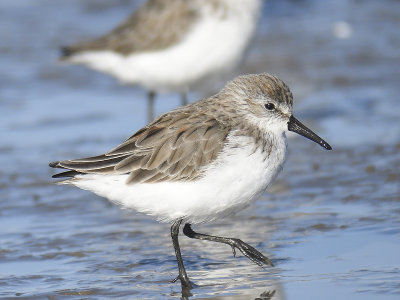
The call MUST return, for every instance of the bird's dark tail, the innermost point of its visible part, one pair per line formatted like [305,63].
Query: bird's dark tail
[54,164]
[70,173]
[66,52]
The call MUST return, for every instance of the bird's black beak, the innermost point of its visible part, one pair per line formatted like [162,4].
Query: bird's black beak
[296,126]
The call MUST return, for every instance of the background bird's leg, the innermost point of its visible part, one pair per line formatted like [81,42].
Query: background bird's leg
[184,99]
[150,106]
[247,250]
[182,272]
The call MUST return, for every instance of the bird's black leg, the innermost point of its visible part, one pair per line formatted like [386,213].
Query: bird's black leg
[182,272]
[150,106]
[247,250]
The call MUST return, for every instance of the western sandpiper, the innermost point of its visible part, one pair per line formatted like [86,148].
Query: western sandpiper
[200,162]
[172,45]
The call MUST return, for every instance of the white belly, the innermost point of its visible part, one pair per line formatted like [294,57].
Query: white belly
[235,180]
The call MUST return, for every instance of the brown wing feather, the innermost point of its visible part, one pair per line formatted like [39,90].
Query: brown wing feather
[175,147]
[145,29]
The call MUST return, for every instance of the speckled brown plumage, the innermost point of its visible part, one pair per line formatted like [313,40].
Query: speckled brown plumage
[181,143]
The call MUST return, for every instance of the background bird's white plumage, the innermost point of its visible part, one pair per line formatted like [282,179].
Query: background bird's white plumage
[239,176]
[214,45]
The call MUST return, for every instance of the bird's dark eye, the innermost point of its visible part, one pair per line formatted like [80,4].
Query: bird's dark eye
[269,106]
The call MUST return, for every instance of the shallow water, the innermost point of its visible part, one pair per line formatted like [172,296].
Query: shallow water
[331,222]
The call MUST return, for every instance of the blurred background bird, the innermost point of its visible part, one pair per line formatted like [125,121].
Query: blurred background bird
[172,46]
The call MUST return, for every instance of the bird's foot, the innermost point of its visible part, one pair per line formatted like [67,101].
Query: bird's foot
[250,252]
[185,282]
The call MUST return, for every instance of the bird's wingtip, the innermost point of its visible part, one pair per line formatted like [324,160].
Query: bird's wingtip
[54,164]
[65,52]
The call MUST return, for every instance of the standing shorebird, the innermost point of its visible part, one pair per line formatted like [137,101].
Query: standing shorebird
[199,162]
[172,45]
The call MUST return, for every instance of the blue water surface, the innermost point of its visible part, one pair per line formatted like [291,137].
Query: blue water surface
[331,222]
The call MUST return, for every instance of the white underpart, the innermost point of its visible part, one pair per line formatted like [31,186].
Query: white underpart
[238,177]
[215,45]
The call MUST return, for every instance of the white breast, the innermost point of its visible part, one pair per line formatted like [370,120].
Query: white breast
[238,177]
[215,44]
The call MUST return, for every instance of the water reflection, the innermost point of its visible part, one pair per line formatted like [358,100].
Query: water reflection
[330,224]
